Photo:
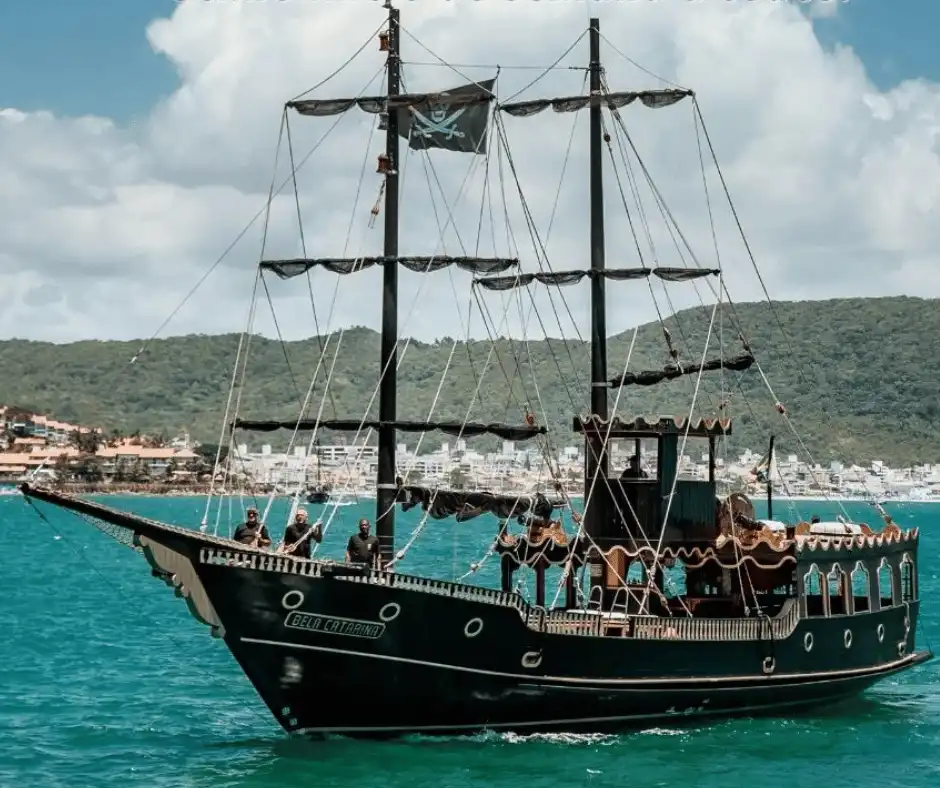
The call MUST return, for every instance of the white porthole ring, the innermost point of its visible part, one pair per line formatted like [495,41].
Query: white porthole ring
[808,641]
[531,659]
[473,627]
[770,664]
[847,638]
[287,601]
[881,633]
[390,612]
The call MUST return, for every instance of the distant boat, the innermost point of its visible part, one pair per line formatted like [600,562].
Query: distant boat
[321,492]
[318,495]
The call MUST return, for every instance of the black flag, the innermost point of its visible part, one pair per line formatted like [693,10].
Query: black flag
[455,119]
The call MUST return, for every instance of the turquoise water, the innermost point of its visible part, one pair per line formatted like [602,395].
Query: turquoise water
[108,681]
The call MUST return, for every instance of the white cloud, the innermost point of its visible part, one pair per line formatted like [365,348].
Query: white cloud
[106,228]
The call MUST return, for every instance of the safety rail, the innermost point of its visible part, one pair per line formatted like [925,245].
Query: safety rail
[441,588]
[274,562]
[263,562]
[596,624]
[555,622]
[721,629]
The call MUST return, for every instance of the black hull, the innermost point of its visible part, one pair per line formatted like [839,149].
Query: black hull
[420,672]
[338,649]
[462,705]
[318,497]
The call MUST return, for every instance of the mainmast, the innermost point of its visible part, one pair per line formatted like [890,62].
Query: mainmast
[388,386]
[596,462]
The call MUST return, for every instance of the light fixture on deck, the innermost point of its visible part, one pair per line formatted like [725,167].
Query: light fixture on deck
[383,121]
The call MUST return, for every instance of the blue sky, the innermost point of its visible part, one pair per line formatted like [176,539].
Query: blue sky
[92,56]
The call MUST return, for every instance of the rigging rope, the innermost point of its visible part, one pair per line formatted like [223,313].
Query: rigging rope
[267,213]
[685,438]
[404,350]
[634,63]
[263,210]
[303,247]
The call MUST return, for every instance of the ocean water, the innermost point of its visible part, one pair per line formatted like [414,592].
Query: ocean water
[106,680]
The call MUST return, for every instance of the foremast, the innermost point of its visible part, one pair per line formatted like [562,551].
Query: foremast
[596,464]
[455,119]
[386,491]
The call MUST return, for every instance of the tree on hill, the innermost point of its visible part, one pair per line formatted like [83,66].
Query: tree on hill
[85,442]
[88,469]
[63,468]
[208,451]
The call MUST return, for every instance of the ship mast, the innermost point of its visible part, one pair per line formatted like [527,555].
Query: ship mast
[597,452]
[388,386]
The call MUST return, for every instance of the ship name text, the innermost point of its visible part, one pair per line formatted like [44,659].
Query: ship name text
[332,625]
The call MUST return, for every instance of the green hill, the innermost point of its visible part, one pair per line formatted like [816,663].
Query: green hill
[856,377]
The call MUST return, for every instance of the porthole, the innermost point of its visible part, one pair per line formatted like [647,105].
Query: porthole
[808,641]
[390,612]
[847,638]
[292,600]
[473,628]
[881,633]
[770,665]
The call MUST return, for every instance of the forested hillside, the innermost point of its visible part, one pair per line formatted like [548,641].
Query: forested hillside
[857,377]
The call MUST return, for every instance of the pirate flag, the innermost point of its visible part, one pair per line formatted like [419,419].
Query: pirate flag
[457,125]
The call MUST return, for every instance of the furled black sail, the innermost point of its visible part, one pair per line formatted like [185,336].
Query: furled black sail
[460,429]
[465,505]
[454,119]
[650,377]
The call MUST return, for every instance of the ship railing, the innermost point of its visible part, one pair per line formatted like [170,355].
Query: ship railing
[646,627]
[272,562]
[262,562]
[567,622]
[779,627]
[427,585]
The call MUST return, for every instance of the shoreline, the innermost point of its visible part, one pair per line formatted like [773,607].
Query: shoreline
[202,491]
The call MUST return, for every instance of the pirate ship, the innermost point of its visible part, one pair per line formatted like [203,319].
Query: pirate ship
[676,601]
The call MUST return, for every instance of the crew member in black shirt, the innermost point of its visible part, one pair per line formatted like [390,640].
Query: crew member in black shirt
[363,548]
[299,534]
[252,532]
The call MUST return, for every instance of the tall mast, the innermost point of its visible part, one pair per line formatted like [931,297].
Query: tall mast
[597,452]
[388,386]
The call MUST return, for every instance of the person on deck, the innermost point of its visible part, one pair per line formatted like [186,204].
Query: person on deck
[633,469]
[363,548]
[252,532]
[299,534]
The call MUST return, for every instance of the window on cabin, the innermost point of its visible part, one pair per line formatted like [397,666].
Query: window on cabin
[907,580]
[861,588]
[885,584]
